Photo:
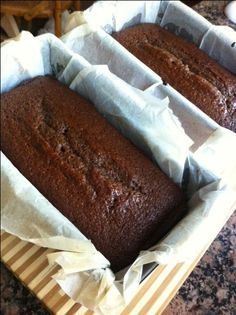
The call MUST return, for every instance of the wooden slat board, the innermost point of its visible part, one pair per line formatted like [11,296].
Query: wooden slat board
[29,264]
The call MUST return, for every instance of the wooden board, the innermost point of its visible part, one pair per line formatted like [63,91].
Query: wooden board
[29,264]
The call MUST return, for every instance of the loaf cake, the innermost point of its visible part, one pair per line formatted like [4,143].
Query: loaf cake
[186,68]
[93,175]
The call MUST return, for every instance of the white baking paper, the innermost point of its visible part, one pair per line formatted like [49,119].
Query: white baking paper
[85,275]
[178,18]
[100,48]
[26,213]
[92,39]
[219,43]
[146,120]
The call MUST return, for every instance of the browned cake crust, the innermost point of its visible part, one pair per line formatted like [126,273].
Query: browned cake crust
[185,67]
[87,169]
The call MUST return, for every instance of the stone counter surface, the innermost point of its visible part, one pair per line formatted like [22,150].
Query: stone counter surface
[211,287]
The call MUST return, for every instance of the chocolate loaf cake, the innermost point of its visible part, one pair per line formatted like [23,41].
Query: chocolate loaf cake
[186,68]
[99,180]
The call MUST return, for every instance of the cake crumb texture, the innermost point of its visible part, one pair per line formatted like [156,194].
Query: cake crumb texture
[93,175]
[186,68]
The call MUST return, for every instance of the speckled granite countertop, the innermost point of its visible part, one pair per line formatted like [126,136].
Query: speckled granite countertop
[211,287]
[213,11]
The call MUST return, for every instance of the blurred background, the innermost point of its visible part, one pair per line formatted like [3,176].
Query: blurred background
[33,15]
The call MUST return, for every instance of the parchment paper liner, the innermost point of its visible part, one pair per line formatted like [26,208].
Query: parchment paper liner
[27,214]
